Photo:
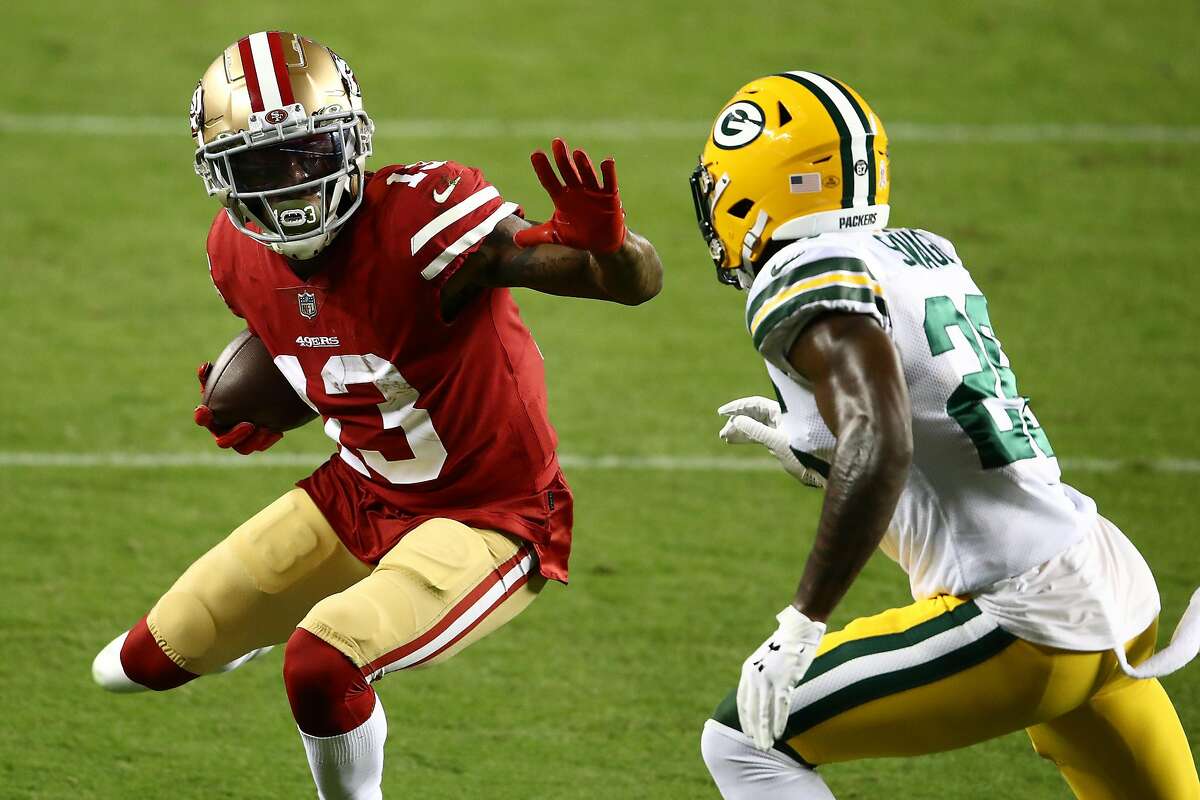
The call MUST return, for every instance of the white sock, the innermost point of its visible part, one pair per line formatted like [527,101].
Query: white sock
[108,673]
[349,766]
[743,772]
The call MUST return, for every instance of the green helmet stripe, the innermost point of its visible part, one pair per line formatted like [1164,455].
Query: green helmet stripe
[843,130]
[868,127]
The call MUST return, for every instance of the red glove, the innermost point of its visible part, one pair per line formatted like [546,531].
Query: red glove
[587,216]
[245,437]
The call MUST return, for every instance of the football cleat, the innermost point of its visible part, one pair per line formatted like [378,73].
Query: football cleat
[790,155]
[282,140]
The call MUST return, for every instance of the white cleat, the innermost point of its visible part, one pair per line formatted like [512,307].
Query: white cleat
[107,671]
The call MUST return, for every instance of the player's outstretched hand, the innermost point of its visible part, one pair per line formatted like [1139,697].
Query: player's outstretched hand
[772,673]
[244,438]
[587,214]
[755,420]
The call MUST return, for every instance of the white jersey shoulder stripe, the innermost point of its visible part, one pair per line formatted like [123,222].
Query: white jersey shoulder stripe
[848,280]
[467,240]
[452,215]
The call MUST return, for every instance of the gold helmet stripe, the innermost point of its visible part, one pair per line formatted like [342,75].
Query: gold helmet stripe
[855,131]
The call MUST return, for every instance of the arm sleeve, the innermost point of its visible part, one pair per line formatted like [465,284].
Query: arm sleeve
[785,299]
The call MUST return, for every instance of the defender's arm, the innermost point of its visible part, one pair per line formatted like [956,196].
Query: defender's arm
[859,386]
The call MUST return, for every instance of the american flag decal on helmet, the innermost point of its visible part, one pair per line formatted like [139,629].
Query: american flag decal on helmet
[266,71]
[805,183]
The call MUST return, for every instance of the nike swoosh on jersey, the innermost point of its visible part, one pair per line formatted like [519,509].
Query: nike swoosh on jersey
[778,268]
[442,195]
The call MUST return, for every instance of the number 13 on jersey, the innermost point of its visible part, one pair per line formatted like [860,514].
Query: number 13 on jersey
[397,411]
[986,404]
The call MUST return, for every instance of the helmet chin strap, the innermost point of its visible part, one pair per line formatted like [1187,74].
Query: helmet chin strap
[304,249]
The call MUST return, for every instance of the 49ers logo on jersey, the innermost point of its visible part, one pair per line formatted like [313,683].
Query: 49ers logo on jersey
[308,304]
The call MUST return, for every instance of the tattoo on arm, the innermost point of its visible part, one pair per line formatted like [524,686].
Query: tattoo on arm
[861,393]
[631,275]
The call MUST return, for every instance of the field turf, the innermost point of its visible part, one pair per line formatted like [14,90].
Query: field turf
[1083,239]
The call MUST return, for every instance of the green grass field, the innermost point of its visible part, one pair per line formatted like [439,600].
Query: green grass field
[1082,238]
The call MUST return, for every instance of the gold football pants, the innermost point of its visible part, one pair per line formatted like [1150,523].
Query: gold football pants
[441,588]
[940,674]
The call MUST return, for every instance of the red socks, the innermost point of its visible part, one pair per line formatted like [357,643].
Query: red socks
[145,663]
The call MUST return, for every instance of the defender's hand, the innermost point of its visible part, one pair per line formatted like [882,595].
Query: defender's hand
[771,674]
[587,215]
[244,438]
[756,420]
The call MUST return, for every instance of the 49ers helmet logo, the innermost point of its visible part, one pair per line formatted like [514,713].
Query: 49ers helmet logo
[739,125]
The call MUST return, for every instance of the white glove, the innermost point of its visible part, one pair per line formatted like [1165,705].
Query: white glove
[756,419]
[771,674]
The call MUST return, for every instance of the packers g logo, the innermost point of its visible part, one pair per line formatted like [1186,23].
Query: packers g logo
[739,125]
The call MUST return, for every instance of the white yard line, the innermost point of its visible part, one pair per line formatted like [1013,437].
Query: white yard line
[652,463]
[639,129]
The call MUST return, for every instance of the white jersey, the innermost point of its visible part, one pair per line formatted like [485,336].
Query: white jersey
[983,501]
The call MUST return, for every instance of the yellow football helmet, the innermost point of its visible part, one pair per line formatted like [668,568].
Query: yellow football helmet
[282,140]
[790,155]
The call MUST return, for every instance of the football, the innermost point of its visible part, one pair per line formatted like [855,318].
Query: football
[244,385]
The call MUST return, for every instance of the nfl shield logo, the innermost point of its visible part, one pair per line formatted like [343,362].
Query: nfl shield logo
[308,304]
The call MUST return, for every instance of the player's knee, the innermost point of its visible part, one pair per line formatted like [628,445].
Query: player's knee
[328,694]
[135,661]
[741,771]
[713,746]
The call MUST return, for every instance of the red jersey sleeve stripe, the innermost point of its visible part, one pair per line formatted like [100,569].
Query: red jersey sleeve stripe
[279,63]
[250,73]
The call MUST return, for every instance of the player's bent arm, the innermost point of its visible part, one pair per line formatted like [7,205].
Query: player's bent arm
[860,390]
[631,275]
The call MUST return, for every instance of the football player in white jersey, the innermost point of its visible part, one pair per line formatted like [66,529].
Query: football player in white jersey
[895,395]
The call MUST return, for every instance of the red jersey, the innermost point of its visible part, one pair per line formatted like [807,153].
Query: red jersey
[433,418]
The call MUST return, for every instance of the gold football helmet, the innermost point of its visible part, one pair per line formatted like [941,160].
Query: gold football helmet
[282,140]
[790,155]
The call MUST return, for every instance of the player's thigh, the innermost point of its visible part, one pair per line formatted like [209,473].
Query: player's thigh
[937,675]
[442,587]
[1126,741]
[252,588]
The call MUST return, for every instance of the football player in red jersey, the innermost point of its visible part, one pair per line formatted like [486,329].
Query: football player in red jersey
[383,298]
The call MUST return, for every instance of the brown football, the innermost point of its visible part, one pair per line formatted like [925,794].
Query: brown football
[244,385]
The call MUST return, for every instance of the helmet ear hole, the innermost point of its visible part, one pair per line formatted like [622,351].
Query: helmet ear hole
[741,208]
[784,116]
